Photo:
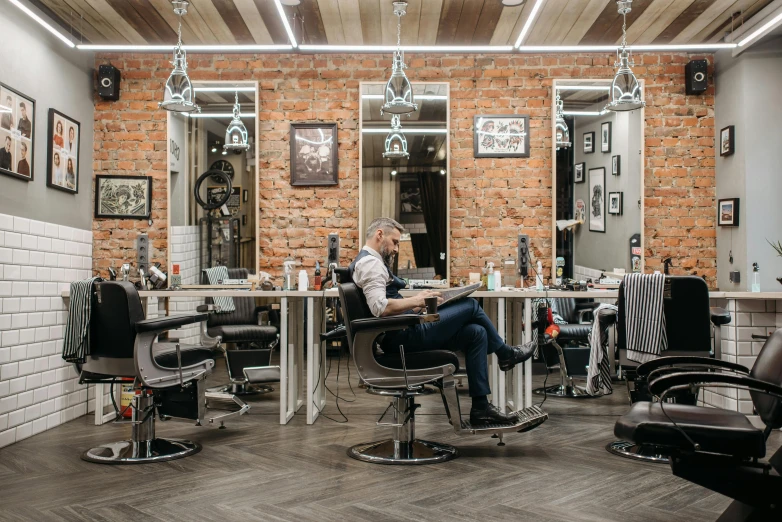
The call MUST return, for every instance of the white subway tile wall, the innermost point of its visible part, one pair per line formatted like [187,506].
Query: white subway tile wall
[414,228]
[38,390]
[184,251]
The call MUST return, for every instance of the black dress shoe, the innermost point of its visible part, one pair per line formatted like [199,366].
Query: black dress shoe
[490,415]
[520,354]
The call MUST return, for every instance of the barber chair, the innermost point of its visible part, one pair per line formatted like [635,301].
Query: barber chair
[689,325]
[250,335]
[714,448]
[403,377]
[169,376]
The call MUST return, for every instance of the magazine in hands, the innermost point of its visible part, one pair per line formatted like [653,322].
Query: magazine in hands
[459,292]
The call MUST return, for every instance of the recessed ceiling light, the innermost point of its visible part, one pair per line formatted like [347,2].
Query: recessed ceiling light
[393,173]
[291,3]
[511,3]
[214,149]
[442,171]
[225,153]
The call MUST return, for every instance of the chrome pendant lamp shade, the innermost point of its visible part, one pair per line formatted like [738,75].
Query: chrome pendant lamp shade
[399,92]
[396,143]
[562,130]
[625,92]
[179,95]
[236,133]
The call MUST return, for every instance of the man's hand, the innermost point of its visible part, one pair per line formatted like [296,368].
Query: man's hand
[422,296]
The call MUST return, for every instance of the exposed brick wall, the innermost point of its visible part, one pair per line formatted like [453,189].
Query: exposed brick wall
[491,199]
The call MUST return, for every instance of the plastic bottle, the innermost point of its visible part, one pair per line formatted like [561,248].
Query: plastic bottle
[498,279]
[755,277]
[484,282]
[316,284]
[490,276]
[303,283]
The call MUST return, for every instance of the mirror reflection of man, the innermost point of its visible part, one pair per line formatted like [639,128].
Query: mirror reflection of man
[7,119]
[6,158]
[23,167]
[25,126]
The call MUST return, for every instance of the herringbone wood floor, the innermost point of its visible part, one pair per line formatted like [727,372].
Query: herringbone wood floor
[259,470]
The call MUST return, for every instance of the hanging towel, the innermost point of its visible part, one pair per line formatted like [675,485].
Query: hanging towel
[645,317]
[599,371]
[216,276]
[76,347]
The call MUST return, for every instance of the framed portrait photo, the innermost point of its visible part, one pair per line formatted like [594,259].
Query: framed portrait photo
[17,135]
[728,212]
[62,172]
[605,136]
[597,201]
[501,136]
[727,140]
[589,142]
[615,203]
[125,197]
[314,160]
[616,165]
[578,172]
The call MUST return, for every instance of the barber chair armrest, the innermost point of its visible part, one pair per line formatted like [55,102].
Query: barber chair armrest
[394,322]
[685,379]
[340,332]
[171,322]
[719,316]
[682,363]
[208,308]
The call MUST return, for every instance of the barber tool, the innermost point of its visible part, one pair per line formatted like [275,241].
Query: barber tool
[317,282]
[333,272]
[667,264]
[112,274]
[490,276]
[575,286]
[142,279]
[125,271]
[755,277]
[156,277]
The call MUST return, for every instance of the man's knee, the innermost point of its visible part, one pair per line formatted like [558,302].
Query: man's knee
[474,333]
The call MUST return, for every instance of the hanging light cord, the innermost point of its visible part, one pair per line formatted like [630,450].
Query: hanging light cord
[624,29]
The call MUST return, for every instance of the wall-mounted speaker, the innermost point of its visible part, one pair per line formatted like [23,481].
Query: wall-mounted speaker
[695,77]
[108,82]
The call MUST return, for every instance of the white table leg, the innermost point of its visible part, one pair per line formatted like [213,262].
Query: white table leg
[501,328]
[527,395]
[518,372]
[312,363]
[298,354]
[285,416]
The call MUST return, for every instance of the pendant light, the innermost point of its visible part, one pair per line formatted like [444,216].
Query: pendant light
[178,96]
[399,92]
[562,130]
[236,133]
[625,92]
[396,143]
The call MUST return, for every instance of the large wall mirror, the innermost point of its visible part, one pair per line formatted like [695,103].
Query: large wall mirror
[227,236]
[598,184]
[415,190]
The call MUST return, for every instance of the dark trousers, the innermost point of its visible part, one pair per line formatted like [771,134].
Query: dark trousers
[463,325]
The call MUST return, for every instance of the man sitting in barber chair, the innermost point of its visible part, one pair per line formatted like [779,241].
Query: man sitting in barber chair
[463,323]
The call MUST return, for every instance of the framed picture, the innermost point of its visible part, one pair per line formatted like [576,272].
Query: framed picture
[579,213]
[214,193]
[589,142]
[314,154]
[410,202]
[126,197]
[605,136]
[245,195]
[726,141]
[728,212]
[501,136]
[17,135]
[597,204]
[578,175]
[615,203]
[616,165]
[62,172]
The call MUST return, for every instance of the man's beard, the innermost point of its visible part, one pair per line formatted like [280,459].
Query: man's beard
[388,257]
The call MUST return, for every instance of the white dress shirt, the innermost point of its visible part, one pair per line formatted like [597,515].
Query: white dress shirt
[372,276]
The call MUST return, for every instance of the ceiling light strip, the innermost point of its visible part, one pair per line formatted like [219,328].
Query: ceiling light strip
[44,23]
[196,48]
[583,88]
[219,115]
[765,27]
[417,97]
[584,113]
[224,89]
[408,48]
[528,23]
[613,48]
[285,22]
[407,130]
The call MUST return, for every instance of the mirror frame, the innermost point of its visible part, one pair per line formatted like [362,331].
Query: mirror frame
[572,81]
[253,83]
[361,224]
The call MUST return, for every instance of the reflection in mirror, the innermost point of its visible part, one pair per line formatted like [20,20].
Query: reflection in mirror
[598,185]
[203,234]
[414,191]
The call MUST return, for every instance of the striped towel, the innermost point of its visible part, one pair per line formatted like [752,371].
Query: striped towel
[645,316]
[599,371]
[76,347]
[216,276]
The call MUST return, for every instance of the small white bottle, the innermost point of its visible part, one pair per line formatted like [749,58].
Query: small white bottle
[755,277]
[303,283]
[498,280]
[539,276]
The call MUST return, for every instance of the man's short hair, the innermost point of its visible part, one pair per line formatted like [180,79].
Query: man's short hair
[24,146]
[384,224]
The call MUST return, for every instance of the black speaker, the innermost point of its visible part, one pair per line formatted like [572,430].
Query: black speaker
[695,77]
[108,82]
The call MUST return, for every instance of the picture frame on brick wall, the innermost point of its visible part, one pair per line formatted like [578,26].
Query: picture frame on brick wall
[589,142]
[727,140]
[728,212]
[123,197]
[17,136]
[62,171]
[314,159]
[501,136]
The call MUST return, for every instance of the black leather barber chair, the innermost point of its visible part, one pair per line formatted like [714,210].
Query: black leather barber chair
[168,376]
[250,334]
[689,323]
[404,376]
[718,449]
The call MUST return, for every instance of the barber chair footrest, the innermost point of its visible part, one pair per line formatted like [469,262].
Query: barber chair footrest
[407,453]
[145,452]
[242,388]
[569,392]
[528,418]
[642,452]
[262,374]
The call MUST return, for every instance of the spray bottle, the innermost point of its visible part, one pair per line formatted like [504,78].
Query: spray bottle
[288,266]
[755,277]
[490,276]
[317,282]
[484,282]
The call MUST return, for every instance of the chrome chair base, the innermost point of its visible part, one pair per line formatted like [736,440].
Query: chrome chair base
[642,452]
[405,453]
[145,452]
[560,390]
[242,389]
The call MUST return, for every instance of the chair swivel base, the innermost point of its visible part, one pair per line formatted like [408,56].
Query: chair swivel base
[642,452]
[145,452]
[560,390]
[405,453]
[243,388]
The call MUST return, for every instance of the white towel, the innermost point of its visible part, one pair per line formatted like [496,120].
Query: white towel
[216,276]
[644,316]
[599,371]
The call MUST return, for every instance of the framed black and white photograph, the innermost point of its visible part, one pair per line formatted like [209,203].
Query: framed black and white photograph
[605,136]
[597,202]
[615,203]
[727,140]
[616,165]
[314,148]
[126,197]
[410,201]
[728,212]
[216,193]
[589,142]
[17,136]
[62,172]
[501,136]
[578,175]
